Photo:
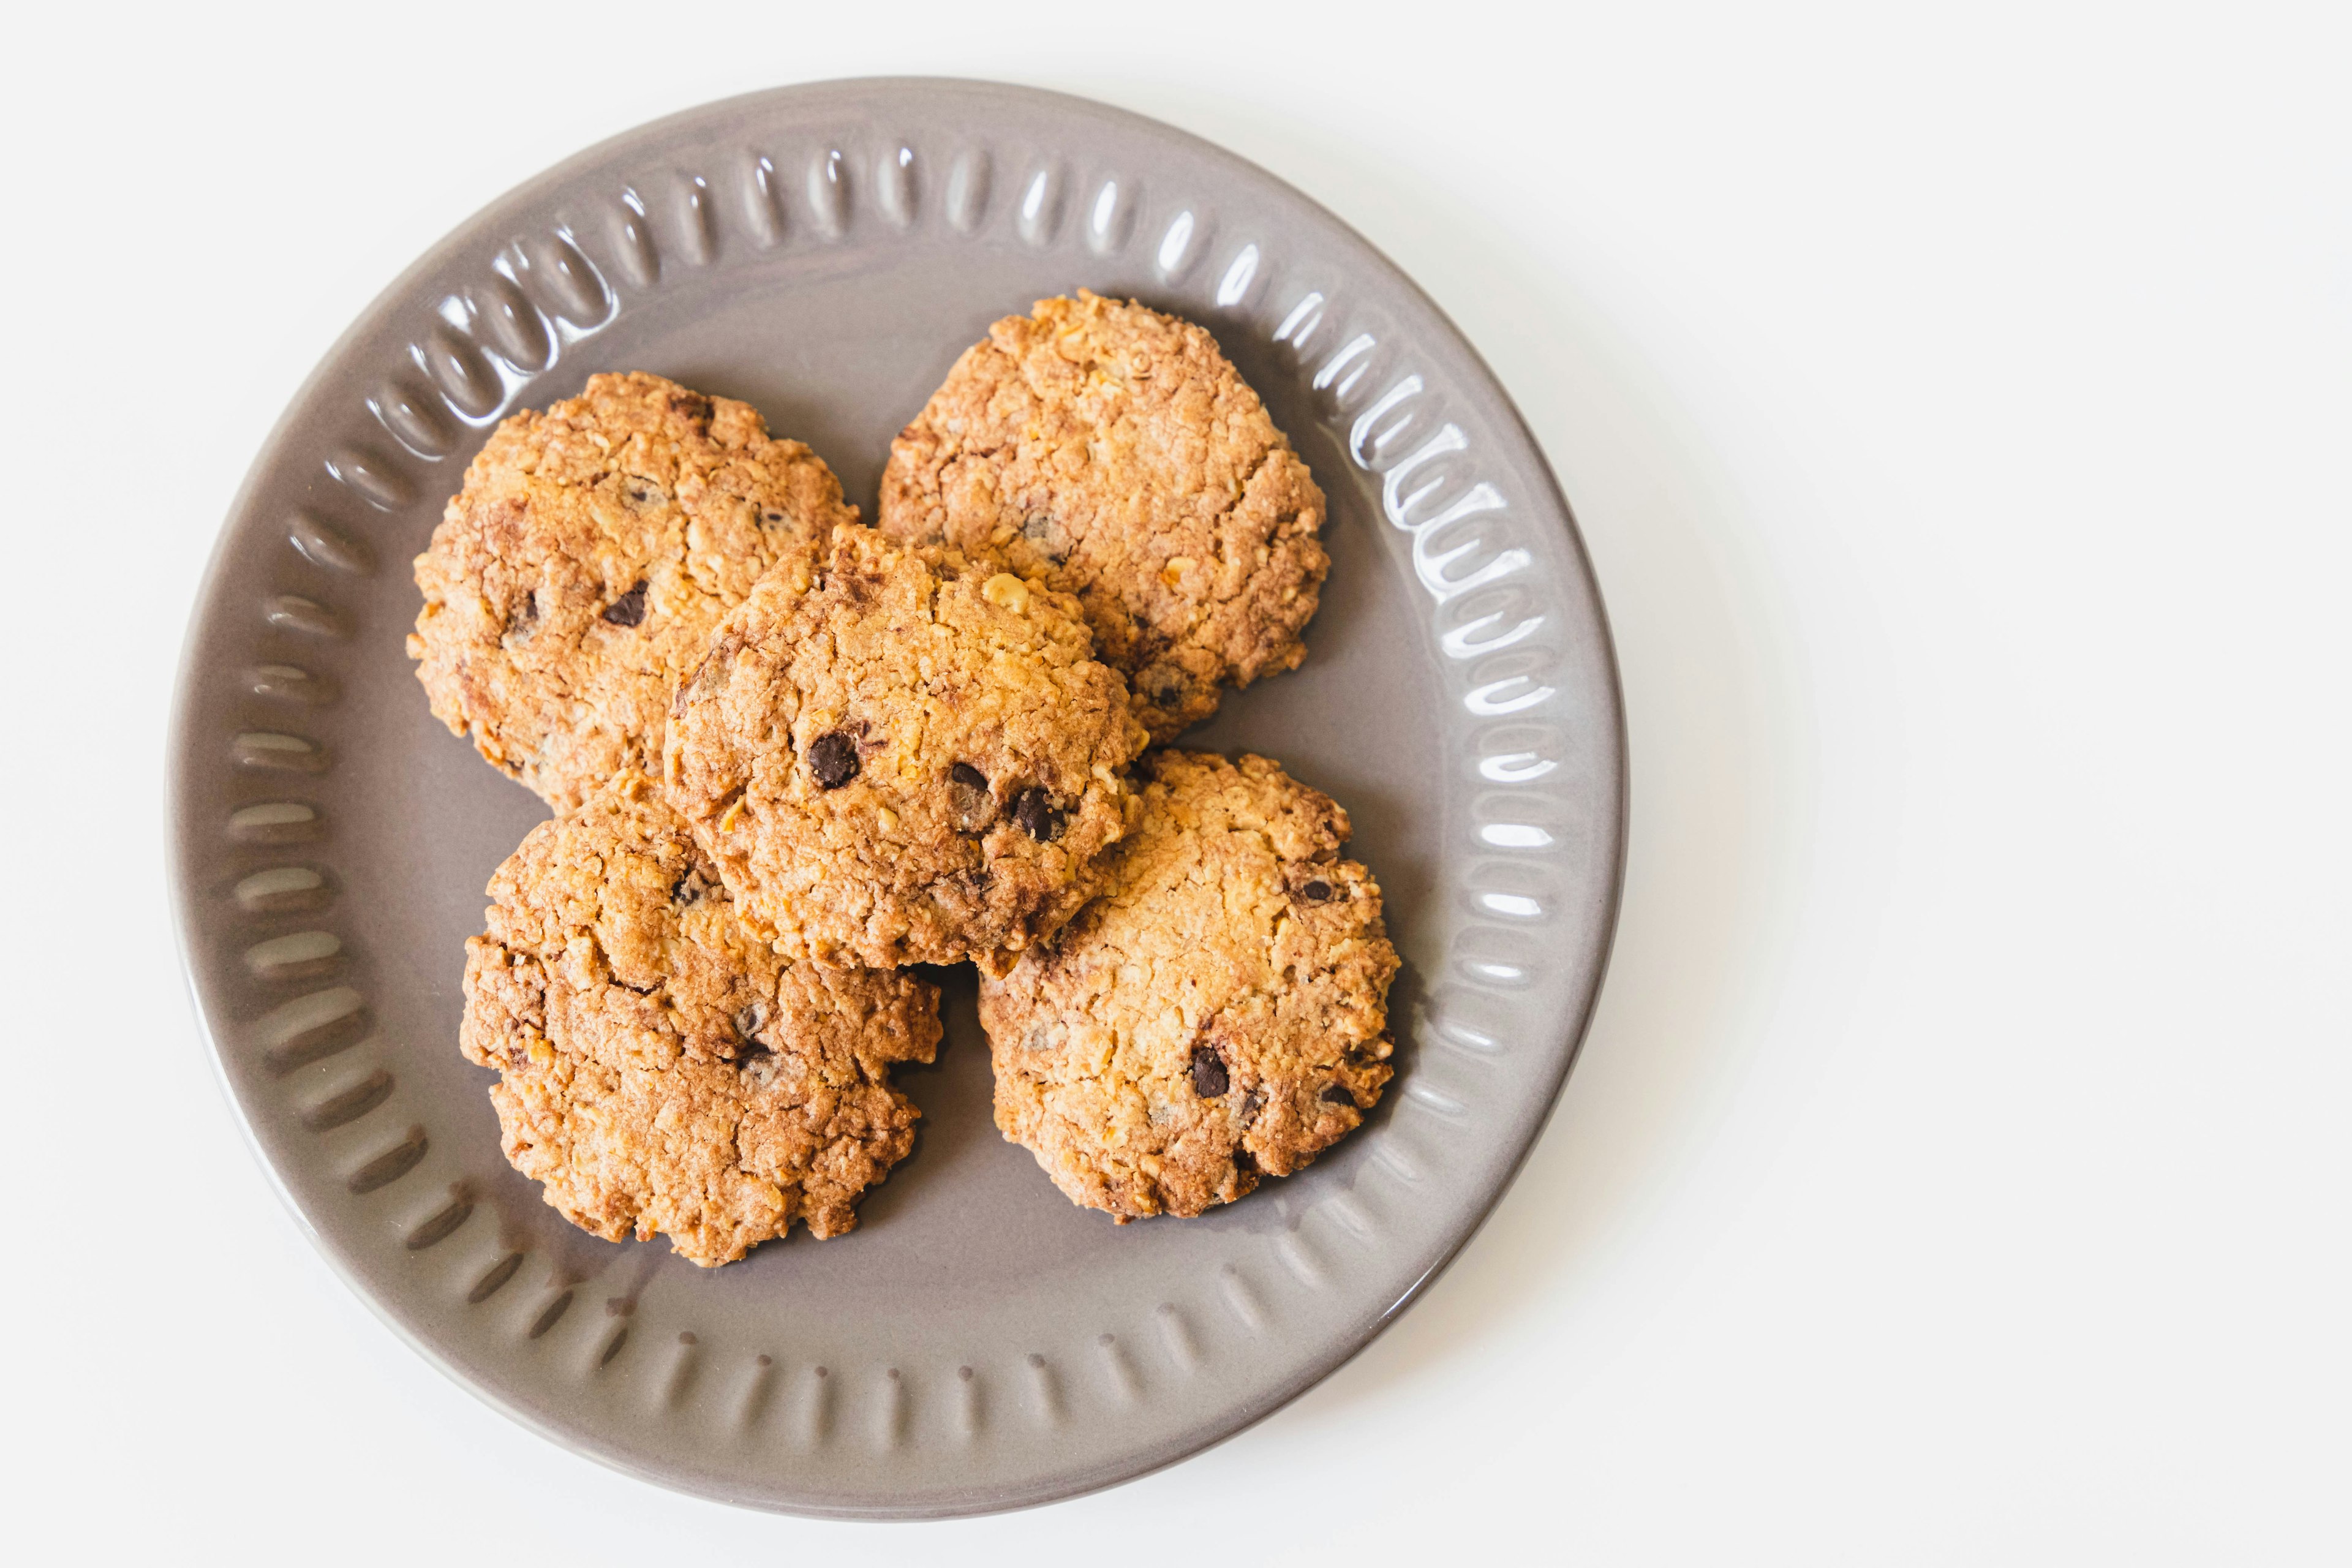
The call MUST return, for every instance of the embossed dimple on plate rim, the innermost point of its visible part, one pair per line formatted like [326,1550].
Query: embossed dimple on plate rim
[1339,354]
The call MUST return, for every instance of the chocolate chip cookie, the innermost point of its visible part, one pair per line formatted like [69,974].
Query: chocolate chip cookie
[1113,452]
[581,568]
[897,755]
[1220,1013]
[662,1071]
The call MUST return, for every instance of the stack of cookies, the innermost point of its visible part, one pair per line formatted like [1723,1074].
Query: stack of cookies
[791,756]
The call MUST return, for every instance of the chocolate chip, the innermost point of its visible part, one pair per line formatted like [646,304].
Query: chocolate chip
[749,1047]
[833,760]
[969,801]
[1040,530]
[693,404]
[1245,1162]
[1034,810]
[1336,1094]
[628,609]
[1316,891]
[1210,1080]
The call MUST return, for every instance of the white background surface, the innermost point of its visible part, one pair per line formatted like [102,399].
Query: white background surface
[1957,407]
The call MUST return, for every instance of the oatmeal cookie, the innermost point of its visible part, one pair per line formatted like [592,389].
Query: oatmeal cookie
[1219,1013]
[898,756]
[1112,452]
[662,1071]
[579,572]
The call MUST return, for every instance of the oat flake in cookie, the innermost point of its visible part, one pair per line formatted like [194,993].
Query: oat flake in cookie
[1113,452]
[661,1070]
[1220,1012]
[900,756]
[580,570]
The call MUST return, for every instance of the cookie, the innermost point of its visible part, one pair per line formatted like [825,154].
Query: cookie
[663,1071]
[1112,452]
[1218,1013]
[900,756]
[581,568]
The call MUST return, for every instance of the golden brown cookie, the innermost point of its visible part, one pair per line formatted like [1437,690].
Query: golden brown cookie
[898,756]
[1220,1013]
[661,1070]
[580,570]
[1112,452]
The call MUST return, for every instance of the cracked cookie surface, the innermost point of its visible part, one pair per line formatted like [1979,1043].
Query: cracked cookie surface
[579,571]
[1220,1012]
[897,755]
[660,1070]
[1114,453]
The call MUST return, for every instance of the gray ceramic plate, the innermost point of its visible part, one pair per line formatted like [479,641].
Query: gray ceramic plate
[978,1343]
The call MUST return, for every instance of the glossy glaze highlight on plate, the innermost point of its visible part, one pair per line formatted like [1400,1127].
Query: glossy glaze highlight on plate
[978,1343]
